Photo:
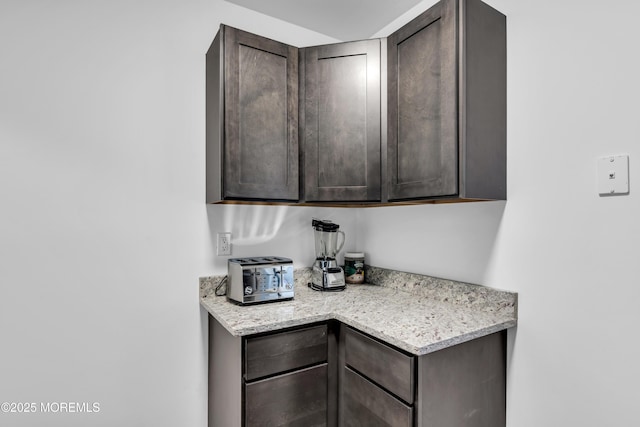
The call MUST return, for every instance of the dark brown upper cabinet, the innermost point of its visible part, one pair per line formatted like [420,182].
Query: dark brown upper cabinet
[447,104]
[252,118]
[418,117]
[340,122]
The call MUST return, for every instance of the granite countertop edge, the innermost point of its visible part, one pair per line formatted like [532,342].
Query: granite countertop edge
[436,313]
[266,327]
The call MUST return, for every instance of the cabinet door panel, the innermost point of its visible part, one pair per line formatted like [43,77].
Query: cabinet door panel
[464,385]
[295,399]
[366,405]
[342,122]
[261,125]
[422,106]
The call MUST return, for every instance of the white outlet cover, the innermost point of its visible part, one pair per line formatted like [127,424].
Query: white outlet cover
[221,248]
[613,175]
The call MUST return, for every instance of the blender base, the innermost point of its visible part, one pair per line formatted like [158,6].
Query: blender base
[326,276]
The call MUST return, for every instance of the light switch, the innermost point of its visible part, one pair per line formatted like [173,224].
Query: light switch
[613,175]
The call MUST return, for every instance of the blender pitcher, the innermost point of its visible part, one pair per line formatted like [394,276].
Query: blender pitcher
[326,274]
[326,239]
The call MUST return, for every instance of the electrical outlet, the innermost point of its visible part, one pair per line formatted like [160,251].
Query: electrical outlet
[224,243]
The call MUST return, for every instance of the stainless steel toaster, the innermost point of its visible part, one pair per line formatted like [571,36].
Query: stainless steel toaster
[259,279]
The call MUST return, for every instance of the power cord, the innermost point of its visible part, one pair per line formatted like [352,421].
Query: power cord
[222,283]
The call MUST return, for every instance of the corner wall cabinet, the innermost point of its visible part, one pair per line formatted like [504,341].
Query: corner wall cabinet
[447,104]
[417,117]
[330,374]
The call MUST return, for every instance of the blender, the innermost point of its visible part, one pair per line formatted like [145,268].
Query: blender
[326,275]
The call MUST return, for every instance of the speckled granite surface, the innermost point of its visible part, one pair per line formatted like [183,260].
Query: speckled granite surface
[417,313]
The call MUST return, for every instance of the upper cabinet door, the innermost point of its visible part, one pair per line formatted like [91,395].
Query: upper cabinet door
[340,119]
[422,106]
[260,118]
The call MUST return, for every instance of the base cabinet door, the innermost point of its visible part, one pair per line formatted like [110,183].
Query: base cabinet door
[464,385]
[294,399]
[367,405]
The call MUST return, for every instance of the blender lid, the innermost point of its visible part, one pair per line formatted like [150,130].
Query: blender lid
[324,225]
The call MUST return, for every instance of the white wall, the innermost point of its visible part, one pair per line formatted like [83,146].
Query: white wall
[274,230]
[103,229]
[571,255]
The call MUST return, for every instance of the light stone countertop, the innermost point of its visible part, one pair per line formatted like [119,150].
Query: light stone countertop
[419,314]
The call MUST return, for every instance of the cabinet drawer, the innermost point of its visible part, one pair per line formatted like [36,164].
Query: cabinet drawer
[382,364]
[285,351]
[295,399]
[367,405]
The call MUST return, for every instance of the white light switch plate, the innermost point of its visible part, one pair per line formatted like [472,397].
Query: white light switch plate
[613,175]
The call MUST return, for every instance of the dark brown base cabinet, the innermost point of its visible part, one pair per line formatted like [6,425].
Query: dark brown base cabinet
[330,374]
[417,117]
[459,386]
[284,378]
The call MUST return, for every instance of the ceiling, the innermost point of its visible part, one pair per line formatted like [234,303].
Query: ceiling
[341,19]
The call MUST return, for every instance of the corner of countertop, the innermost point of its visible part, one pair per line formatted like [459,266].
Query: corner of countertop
[445,290]
[208,285]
